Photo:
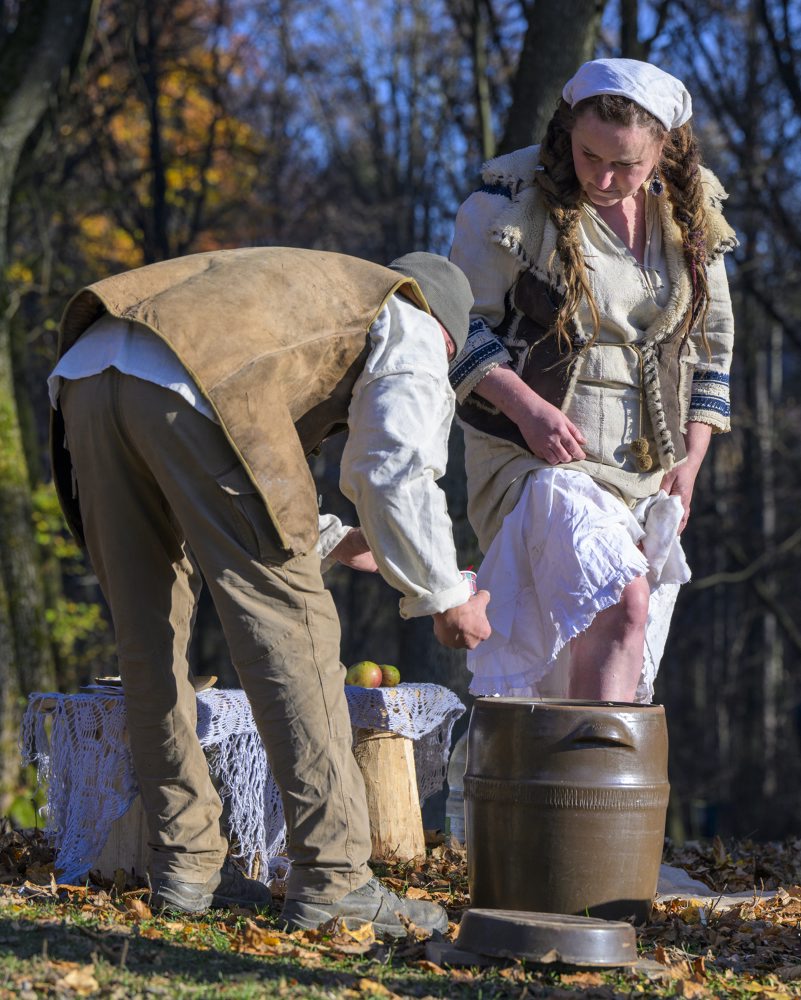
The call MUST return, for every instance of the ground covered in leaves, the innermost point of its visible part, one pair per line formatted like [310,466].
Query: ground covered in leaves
[101,939]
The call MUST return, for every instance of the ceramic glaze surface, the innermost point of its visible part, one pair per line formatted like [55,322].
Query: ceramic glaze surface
[565,806]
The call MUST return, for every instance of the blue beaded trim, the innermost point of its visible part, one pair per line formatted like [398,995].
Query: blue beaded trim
[502,189]
[711,392]
[473,360]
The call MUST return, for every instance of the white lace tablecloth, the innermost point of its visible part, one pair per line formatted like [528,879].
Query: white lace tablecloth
[80,747]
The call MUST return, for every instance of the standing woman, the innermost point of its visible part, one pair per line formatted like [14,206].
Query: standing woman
[596,371]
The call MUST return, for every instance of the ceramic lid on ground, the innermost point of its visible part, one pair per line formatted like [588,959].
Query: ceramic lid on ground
[548,937]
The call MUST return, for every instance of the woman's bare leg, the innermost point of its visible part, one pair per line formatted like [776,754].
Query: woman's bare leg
[606,659]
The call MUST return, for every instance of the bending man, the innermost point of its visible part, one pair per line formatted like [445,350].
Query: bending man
[186,398]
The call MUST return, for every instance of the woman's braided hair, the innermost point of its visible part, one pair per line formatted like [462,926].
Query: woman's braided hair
[678,167]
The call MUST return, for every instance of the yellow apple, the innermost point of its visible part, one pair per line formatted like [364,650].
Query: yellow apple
[390,676]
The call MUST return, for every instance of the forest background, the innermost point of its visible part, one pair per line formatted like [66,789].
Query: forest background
[136,130]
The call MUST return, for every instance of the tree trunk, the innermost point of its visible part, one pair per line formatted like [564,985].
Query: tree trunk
[551,54]
[768,389]
[631,47]
[478,35]
[46,40]
[9,700]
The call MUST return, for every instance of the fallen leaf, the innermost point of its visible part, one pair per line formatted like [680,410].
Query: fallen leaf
[362,932]
[413,893]
[336,938]
[342,947]
[583,979]
[136,908]
[461,976]
[73,890]
[680,968]
[256,940]
[719,852]
[688,988]
[762,990]
[691,914]
[81,981]
[432,967]
[514,973]
[308,959]
[375,988]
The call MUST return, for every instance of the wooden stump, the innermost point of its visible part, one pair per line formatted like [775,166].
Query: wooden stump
[126,846]
[386,761]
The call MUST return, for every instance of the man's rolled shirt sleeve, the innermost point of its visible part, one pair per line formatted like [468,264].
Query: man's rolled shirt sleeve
[399,422]
[332,532]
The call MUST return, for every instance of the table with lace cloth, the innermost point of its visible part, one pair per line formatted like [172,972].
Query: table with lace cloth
[79,745]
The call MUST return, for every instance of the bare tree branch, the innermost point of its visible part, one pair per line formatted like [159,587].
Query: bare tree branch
[767,559]
[783,53]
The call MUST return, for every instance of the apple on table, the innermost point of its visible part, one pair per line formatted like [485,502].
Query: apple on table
[369,674]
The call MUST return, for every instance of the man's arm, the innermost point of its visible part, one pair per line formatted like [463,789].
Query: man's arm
[339,543]
[399,421]
[354,551]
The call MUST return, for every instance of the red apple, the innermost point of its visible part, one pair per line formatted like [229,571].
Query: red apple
[364,674]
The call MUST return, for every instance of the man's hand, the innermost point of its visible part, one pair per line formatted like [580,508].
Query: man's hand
[466,625]
[354,551]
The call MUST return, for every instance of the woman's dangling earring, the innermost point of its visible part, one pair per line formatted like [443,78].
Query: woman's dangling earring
[656,187]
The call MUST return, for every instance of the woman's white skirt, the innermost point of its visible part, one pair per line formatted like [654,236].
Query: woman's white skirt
[563,554]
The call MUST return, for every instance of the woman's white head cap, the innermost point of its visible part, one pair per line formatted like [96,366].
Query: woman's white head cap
[652,88]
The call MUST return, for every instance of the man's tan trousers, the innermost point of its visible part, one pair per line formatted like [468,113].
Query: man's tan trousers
[164,499]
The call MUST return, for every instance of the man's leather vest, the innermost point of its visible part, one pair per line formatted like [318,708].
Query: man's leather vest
[275,339]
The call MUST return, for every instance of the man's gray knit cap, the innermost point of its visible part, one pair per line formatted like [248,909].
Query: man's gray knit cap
[446,289]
